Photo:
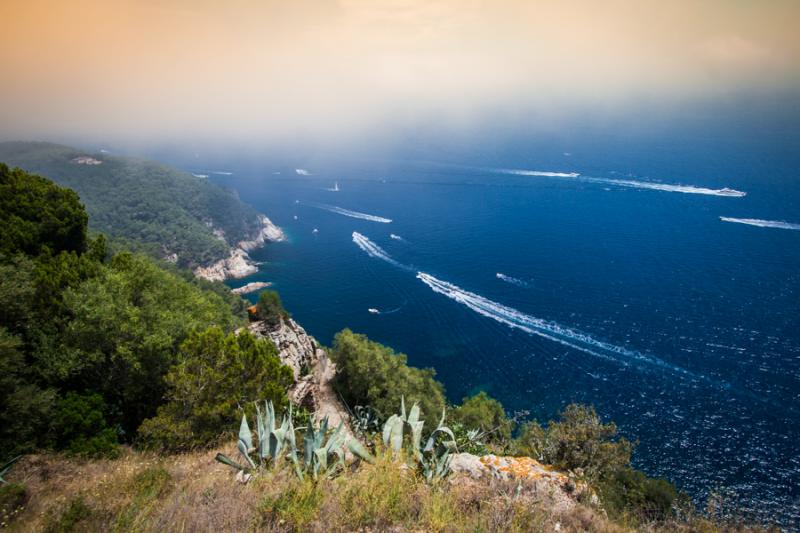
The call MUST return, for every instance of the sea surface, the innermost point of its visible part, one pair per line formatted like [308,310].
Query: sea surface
[664,291]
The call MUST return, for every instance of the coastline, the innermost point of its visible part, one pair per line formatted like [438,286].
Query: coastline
[239,264]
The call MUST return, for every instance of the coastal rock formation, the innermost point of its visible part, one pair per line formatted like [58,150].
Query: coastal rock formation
[239,264]
[251,287]
[268,232]
[535,479]
[313,371]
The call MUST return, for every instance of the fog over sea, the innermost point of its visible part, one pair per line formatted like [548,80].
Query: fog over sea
[661,287]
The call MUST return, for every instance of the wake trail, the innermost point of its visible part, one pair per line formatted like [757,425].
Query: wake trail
[514,281]
[780,224]
[373,250]
[547,329]
[352,214]
[636,184]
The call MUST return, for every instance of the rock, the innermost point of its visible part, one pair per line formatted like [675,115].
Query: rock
[313,372]
[268,232]
[534,478]
[251,287]
[237,265]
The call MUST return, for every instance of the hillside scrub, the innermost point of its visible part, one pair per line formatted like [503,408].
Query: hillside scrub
[371,374]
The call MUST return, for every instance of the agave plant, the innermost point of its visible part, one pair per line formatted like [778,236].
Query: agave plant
[434,458]
[272,441]
[323,453]
[365,420]
[6,467]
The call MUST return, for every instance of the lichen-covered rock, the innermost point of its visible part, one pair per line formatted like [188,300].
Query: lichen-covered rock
[534,478]
[237,265]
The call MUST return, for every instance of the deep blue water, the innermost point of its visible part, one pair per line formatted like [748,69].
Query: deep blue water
[682,328]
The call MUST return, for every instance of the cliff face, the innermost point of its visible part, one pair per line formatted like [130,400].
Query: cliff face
[239,264]
[313,371]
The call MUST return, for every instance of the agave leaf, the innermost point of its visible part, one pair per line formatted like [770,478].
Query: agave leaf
[224,459]
[416,437]
[245,435]
[396,435]
[413,415]
[387,429]
[403,407]
[308,444]
[359,450]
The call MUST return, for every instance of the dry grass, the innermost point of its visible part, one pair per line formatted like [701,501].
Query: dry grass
[194,493]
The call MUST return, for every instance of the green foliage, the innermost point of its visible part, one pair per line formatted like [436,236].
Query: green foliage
[70,518]
[127,324]
[578,441]
[215,376]
[36,214]
[24,406]
[372,374]
[81,428]
[629,491]
[298,505]
[270,308]
[147,486]
[152,208]
[12,497]
[486,414]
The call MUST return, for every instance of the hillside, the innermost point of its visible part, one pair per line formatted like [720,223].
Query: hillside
[148,206]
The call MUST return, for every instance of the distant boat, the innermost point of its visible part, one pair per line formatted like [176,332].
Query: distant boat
[315,230]
[335,186]
[373,311]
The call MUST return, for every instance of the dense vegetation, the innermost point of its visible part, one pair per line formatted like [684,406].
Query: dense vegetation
[141,205]
[370,374]
[91,343]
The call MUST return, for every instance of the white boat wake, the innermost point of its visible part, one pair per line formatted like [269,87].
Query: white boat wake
[547,329]
[514,281]
[396,237]
[302,172]
[352,214]
[780,224]
[373,250]
[635,184]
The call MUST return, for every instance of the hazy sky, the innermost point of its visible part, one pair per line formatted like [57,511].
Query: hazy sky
[240,69]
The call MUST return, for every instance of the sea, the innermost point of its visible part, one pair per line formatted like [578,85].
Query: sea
[659,283]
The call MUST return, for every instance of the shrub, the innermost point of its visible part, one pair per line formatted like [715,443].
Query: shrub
[81,428]
[76,512]
[486,414]
[12,497]
[217,376]
[270,308]
[369,373]
[629,491]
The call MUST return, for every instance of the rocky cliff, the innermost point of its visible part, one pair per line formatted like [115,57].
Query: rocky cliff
[239,264]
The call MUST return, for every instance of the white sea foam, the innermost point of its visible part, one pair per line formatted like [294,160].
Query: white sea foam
[396,237]
[540,173]
[780,224]
[636,184]
[353,214]
[199,175]
[221,173]
[373,250]
[514,281]
[302,172]
[547,329]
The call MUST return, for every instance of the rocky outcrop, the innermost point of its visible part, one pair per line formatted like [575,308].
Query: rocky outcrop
[239,264]
[313,371]
[268,232]
[533,478]
[251,287]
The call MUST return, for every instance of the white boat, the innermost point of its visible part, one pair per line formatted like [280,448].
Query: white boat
[373,311]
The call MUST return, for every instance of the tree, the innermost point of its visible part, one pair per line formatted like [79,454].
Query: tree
[35,213]
[216,378]
[270,308]
[487,414]
[371,374]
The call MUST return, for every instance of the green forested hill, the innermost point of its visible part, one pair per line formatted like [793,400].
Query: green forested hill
[149,206]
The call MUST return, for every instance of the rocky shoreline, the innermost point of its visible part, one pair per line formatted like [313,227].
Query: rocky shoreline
[239,264]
